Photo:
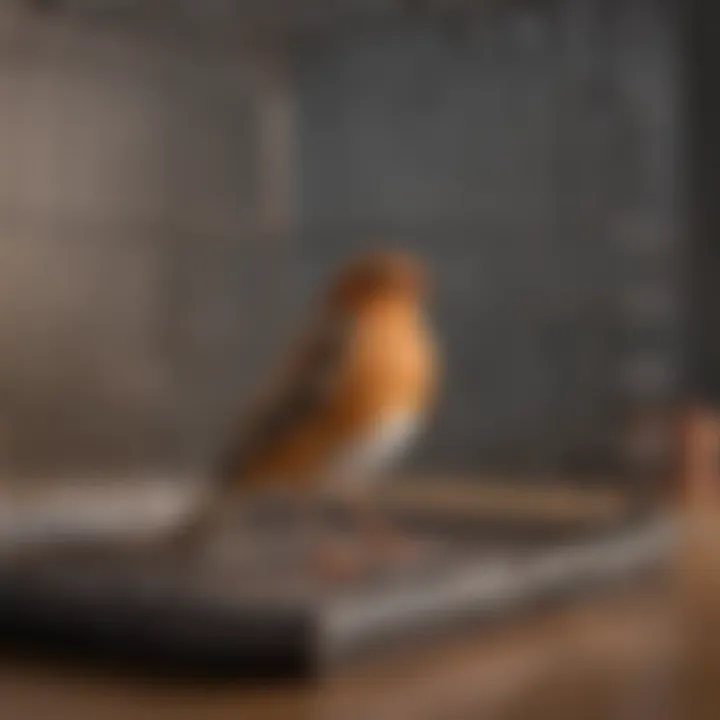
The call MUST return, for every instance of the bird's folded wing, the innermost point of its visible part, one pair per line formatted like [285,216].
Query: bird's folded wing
[303,389]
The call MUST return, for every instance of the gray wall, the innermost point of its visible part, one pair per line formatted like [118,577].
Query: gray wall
[146,276]
[529,154]
[130,253]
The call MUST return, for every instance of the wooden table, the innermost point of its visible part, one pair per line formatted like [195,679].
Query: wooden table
[608,658]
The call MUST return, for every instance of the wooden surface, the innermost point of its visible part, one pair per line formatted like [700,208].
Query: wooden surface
[608,659]
[698,576]
[699,616]
[701,461]
[153,504]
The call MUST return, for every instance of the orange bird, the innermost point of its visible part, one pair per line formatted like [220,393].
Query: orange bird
[355,392]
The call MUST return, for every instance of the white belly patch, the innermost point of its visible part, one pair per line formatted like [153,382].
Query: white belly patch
[363,462]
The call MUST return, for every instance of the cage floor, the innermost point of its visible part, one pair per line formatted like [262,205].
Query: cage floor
[260,611]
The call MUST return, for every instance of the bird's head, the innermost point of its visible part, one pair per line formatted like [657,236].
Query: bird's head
[381,276]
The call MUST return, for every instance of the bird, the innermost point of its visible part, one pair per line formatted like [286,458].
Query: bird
[351,396]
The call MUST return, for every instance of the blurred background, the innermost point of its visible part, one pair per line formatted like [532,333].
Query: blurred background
[177,178]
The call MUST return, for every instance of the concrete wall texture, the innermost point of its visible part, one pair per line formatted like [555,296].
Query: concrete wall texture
[529,156]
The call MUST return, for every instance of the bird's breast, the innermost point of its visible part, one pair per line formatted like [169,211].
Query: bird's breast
[384,442]
[394,365]
[385,397]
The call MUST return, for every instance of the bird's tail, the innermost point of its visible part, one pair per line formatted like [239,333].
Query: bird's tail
[201,525]
[208,518]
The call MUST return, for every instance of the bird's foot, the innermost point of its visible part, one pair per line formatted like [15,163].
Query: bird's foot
[395,546]
[339,563]
[353,559]
[397,550]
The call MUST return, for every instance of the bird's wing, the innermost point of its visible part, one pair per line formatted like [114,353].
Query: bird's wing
[304,388]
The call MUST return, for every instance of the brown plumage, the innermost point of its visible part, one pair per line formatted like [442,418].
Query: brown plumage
[366,363]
